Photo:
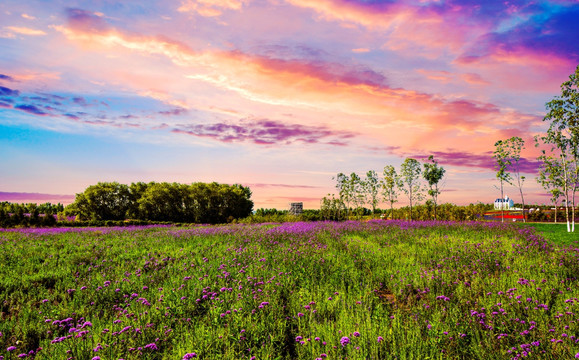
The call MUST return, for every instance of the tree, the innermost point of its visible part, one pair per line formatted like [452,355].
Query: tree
[391,184]
[550,177]
[371,189]
[410,173]
[563,136]
[343,187]
[503,162]
[332,208]
[511,149]
[103,201]
[433,174]
[356,190]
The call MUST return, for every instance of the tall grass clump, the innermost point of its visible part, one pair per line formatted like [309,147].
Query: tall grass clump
[355,290]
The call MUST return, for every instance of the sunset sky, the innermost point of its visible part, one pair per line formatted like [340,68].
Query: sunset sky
[278,95]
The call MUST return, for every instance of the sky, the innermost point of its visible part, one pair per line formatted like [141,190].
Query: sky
[277,95]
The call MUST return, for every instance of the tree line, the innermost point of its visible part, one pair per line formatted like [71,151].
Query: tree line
[29,214]
[206,203]
[413,179]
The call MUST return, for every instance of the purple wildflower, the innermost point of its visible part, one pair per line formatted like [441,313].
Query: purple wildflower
[344,341]
[189,356]
[151,346]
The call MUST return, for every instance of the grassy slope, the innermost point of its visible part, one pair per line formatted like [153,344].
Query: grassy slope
[557,233]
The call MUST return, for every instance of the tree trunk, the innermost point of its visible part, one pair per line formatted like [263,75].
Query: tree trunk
[502,204]
[523,201]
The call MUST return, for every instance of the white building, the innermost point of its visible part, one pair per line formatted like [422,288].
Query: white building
[504,204]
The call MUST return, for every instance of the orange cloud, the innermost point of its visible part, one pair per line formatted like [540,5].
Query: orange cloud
[25,31]
[210,8]
[340,92]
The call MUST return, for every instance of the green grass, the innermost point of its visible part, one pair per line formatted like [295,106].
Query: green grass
[355,290]
[557,233]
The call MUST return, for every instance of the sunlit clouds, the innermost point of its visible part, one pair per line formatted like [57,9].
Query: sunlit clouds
[292,89]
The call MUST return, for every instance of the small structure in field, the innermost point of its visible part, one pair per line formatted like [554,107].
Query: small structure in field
[296,208]
[504,204]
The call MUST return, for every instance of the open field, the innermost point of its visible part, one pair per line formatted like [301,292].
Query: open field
[356,290]
[557,233]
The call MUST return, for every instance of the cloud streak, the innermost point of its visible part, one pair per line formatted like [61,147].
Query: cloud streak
[266,132]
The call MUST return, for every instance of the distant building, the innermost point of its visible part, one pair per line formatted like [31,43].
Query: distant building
[296,208]
[504,204]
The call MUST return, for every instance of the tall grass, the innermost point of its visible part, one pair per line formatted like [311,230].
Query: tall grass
[356,290]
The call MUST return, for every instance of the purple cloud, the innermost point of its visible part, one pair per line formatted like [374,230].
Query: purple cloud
[85,20]
[5,105]
[6,77]
[264,132]
[176,111]
[80,101]
[547,32]
[483,160]
[31,109]
[4,91]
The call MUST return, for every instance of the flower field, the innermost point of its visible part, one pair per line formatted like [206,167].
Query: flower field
[355,290]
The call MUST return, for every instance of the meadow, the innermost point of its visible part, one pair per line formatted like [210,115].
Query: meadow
[320,290]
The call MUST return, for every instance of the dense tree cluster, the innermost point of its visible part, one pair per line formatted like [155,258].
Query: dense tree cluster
[25,215]
[207,203]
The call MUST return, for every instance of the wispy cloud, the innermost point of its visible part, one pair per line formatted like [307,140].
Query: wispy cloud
[25,31]
[266,132]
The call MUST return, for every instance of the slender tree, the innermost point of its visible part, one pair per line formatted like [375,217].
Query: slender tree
[410,172]
[372,189]
[550,177]
[563,136]
[433,174]
[512,149]
[391,184]
[343,187]
[356,190]
[503,162]
[332,208]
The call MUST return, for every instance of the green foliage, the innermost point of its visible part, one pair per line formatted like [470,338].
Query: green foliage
[391,185]
[28,215]
[332,208]
[410,171]
[563,137]
[433,174]
[371,188]
[163,202]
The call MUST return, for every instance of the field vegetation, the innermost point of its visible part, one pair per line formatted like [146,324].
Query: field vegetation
[317,290]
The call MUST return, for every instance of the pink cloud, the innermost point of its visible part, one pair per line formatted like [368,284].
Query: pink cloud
[210,8]
[264,132]
[25,31]
[342,90]
[482,160]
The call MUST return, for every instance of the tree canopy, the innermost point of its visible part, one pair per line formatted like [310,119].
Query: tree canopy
[171,202]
